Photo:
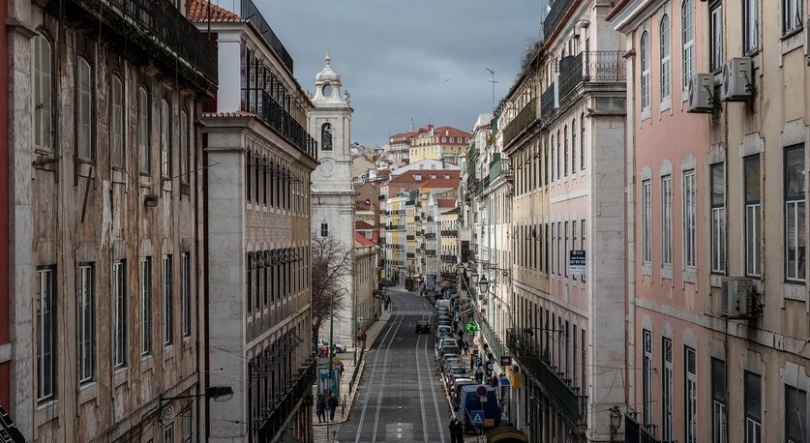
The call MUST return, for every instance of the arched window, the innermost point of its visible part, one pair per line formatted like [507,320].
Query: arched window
[551,163]
[165,139]
[574,146]
[565,150]
[84,110]
[42,69]
[117,121]
[688,42]
[559,153]
[666,76]
[582,140]
[144,154]
[645,71]
[326,137]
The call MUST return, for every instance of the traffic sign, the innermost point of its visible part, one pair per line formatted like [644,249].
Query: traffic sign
[505,381]
[360,320]
[479,362]
[472,327]
[481,391]
[477,417]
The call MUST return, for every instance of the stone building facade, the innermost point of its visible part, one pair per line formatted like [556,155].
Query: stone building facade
[258,158]
[107,220]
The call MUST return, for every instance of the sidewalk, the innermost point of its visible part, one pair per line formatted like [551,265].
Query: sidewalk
[347,395]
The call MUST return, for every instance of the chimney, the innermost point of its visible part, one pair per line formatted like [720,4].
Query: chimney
[429,127]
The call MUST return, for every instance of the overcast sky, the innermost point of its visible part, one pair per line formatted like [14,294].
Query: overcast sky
[407,59]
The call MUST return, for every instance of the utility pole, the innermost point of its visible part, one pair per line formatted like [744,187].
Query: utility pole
[493,81]
[329,355]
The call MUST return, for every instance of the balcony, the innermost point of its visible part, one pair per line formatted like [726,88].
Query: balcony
[287,403]
[572,406]
[524,119]
[591,67]
[410,237]
[154,31]
[449,233]
[252,14]
[284,123]
[430,252]
[555,16]
[495,167]
[634,432]
[410,255]
[548,101]
[429,218]
[430,236]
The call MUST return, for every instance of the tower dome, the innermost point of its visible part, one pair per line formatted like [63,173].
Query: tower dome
[327,75]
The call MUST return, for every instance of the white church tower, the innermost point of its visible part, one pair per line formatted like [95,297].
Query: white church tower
[332,191]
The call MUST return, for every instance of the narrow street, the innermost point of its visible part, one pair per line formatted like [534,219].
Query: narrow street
[400,398]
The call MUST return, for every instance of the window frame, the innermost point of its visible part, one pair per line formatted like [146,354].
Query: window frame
[716,42]
[791,9]
[801,403]
[719,234]
[689,217]
[165,139]
[84,111]
[185,146]
[753,418]
[666,221]
[719,404]
[185,293]
[43,100]
[794,203]
[667,392]
[574,146]
[168,300]
[119,299]
[750,26]
[324,229]
[646,222]
[47,348]
[145,268]
[753,216]
[143,138]
[117,122]
[690,421]
[665,48]
[645,60]
[646,376]
[687,43]
[86,324]
[565,151]
[327,146]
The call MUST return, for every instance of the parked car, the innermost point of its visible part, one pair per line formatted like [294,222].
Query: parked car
[337,348]
[454,370]
[386,283]
[423,326]
[443,331]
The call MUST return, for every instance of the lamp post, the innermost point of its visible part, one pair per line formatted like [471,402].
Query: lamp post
[216,393]
[615,422]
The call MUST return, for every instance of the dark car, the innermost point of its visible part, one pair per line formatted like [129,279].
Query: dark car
[423,326]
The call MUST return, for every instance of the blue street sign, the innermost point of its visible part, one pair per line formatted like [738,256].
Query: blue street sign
[504,381]
[479,362]
[477,417]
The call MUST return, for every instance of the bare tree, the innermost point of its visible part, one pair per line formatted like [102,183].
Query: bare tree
[330,262]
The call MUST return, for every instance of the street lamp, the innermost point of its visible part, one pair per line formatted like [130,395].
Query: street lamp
[615,422]
[483,285]
[217,393]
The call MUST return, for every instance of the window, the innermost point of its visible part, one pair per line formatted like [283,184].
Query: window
[796,429]
[326,137]
[718,178]
[753,408]
[718,401]
[795,241]
[324,229]
[188,426]
[117,122]
[791,16]
[249,176]
[144,156]
[750,26]
[42,69]
[249,282]
[646,222]
[690,395]
[168,301]
[666,221]
[84,111]
[165,140]
[666,388]
[645,71]
[688,42]
[689,239]
[753,214]
[551,164]
[46,334]
[647,377]
[86,327]
[574,146]
[716,36]
[146,306]
[582,141]
[185,148]
[582,242]
[560,252]
[565,251]
[565,150]
[168,433]
[665,46]
[119,295]
[185,292]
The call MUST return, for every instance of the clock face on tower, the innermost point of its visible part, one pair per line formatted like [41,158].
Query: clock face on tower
[327,167]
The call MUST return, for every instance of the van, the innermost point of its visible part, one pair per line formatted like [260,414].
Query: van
[469,402]
[445,303]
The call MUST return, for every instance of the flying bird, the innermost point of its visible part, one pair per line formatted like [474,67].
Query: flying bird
[447,80]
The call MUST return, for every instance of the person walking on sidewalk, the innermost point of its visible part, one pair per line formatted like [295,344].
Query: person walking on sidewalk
[320,409]
[333,404]
[456,431]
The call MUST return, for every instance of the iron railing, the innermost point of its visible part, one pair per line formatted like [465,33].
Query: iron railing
[251,13]
[591,66]
[495,166]
[525,117]
[164,22]
[634,432]
[288,402]
[495,344]
[275,115]
[572,406]
[555,16]
[548,100]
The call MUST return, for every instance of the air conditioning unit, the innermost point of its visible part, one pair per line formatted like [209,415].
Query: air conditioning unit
[737,78]
[736,297]
[701,90]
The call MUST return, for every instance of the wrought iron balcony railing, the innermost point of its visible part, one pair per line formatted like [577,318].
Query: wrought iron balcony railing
[252,14]
[572,406]
[275,115]
[591,67]
[159,30]
[555,16]
[287,403]
[634,432]
[523,120]
[548,100]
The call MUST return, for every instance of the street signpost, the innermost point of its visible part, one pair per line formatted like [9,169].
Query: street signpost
[477,417]
[479,362]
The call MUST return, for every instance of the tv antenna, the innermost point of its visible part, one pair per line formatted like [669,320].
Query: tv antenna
[493,81]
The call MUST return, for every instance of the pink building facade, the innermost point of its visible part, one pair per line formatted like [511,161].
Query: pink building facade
[667,152]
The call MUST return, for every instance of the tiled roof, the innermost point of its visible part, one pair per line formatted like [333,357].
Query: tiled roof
[198,12]
[447,202]
[407,177]
[360,224]
[362,240]
[451,131]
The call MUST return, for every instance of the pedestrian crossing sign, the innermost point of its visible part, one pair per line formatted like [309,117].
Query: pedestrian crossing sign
[477,417]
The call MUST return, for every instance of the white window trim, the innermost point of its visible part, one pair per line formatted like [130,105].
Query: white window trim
[86,326]
[750,26]
[795,9]
[646,87]
[46,352]
[42,96]
[716,29]
[668,420]
[688,45]
[689,218]
[752,225]
[666,221]
[646,222]
[665,73]
[647,367]
[691,409]
[719,235]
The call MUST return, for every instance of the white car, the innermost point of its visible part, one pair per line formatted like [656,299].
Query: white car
[338,348]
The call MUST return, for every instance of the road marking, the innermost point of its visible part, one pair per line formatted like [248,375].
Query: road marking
[420,387]
[382,385]
[435,400]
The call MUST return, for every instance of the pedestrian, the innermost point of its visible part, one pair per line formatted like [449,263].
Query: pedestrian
[320,409]
[333,404]
[479,375]
[456,431]
[465,346]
